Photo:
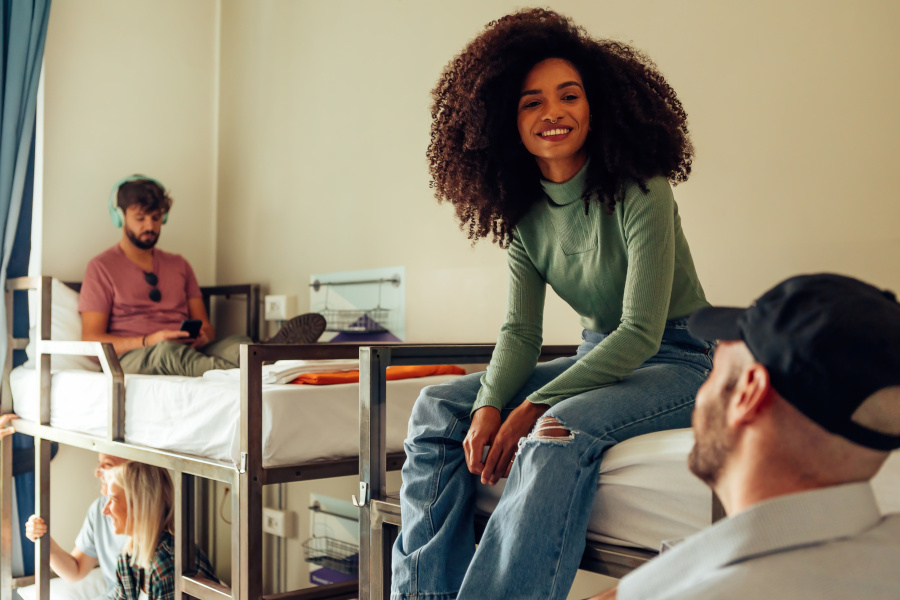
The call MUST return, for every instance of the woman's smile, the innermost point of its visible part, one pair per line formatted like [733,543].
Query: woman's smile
[555,135]
[554,118]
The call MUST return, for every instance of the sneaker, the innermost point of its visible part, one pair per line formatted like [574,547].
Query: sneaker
[303,329]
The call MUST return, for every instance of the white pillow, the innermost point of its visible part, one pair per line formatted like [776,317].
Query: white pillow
[92,587]
[65,326]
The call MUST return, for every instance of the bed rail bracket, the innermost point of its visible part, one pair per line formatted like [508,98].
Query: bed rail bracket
[243,465]
[363,495]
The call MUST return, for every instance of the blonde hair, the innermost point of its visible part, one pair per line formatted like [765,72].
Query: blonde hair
[149,496]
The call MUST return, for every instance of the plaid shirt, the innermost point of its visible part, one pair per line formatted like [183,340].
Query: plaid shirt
[161,584]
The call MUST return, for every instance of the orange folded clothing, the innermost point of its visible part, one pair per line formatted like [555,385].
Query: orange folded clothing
[393,373]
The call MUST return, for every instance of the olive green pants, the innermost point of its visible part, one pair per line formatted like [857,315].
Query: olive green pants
[173,358]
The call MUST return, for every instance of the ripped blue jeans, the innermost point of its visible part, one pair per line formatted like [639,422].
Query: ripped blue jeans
[534,540]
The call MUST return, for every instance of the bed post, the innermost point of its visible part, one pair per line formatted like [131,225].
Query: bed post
[184,529]
[253,306]
[42,446]
[42,508]
[247,575]
[202,514]
[6,580]
[374,549]
[115,428]
[237,566]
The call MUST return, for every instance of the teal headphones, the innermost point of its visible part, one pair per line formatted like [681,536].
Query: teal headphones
[116,214]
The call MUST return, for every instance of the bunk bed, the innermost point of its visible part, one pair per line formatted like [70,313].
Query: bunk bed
[248,464]
[246,461]
[646,493]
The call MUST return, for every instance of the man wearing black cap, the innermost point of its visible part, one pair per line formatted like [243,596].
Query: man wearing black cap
[800,411]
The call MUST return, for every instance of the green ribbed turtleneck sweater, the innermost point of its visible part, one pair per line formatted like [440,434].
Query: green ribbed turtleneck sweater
[625,274]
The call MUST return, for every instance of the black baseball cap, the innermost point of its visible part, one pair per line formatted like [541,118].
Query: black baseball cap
[829,343]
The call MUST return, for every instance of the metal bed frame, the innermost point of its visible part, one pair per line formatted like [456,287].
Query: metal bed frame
[380,517]
[246,479]
[379,513]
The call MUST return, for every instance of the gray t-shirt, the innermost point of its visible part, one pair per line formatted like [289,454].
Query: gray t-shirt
[98,539]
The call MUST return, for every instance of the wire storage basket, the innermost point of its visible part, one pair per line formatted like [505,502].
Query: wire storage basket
[355,321]
[327,551]
[332,554]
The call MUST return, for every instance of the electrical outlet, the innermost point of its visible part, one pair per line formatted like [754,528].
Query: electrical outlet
[279,307]
[276,308]
[280,523]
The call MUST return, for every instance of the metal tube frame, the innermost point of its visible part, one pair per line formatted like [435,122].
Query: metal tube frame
[246,479]
[380,516]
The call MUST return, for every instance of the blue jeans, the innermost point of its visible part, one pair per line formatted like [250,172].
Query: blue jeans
[534,540]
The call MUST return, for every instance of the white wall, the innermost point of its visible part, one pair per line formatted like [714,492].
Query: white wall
[318,164]
[324,124]
[73,488]
[130,88]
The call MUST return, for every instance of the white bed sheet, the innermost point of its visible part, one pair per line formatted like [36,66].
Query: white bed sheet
[200,416]
[646,493]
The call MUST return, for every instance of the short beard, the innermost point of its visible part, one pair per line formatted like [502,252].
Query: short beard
[711,447]
[140,243]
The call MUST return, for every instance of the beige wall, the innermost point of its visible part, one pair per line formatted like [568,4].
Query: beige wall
[324,123]
[130,87]
[73,489]
[317,163]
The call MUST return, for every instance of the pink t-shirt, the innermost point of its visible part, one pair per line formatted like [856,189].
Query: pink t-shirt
[115,286]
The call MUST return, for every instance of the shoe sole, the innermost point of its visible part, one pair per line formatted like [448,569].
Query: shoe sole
[303,329]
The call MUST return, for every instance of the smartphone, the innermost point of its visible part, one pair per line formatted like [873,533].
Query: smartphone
[192,326]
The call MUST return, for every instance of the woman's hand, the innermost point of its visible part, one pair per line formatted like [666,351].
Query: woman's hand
[485,424]
[35,528]
[506,441]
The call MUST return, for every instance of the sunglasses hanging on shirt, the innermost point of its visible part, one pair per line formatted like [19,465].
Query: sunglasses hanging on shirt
[153,280]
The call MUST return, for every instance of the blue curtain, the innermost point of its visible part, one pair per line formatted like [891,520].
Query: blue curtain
[23,445]
[23,31]
[21,254]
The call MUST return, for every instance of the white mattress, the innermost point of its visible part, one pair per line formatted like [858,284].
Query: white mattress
[646,493]
[193,415]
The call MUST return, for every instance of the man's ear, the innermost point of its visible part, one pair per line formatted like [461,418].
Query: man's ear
[752,396]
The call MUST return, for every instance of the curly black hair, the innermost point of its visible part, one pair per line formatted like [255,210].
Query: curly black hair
[475,156]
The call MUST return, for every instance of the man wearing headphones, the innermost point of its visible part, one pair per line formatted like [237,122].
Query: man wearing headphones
[136,296]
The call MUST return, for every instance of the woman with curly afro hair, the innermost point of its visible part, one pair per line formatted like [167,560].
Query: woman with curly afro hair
[561,148]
